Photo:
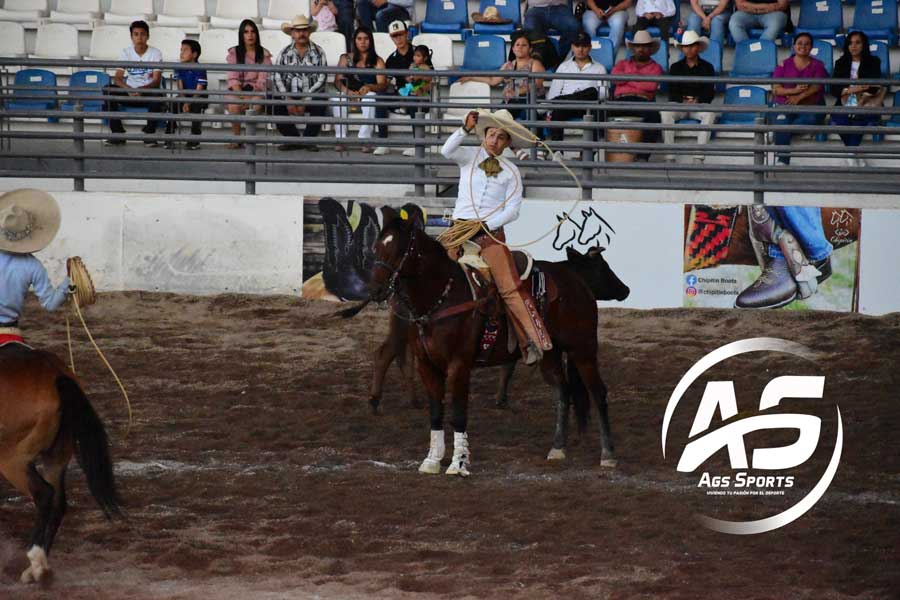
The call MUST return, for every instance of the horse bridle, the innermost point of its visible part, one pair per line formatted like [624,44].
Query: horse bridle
[391,288]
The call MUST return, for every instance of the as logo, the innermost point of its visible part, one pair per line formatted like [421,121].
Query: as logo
[719,396]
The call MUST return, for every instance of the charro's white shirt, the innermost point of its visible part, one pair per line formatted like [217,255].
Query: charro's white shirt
[489,192]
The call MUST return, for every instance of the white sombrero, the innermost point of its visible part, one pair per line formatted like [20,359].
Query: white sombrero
[299,22]
[643,38]
[519,136]
[29,220]
[691,37]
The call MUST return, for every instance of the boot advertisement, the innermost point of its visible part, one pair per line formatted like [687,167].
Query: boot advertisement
[755,256]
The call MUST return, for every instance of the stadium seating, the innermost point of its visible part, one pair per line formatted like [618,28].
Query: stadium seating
[334,45]
[824,51]
[89,100]
[124,12]
[34,78]
[23,11]
[445,16]
[107,42]
[877,19]
[743,95]
[880,49]
[468,95]
[894,120]
[57,40]
[215,44]
[754,58]
[282,11]
[76,12]
[384,46]
[273,40]
[441,47]
[484,53]
[186,14]
[602,51]
[822,19]
[12,40]
[230,13]
[168,40]
[508,9]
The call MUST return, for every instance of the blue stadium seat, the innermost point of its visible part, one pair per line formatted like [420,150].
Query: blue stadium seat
[822,19]
[603,53]
[747,95]
[96,80]
[877,19]
[445,16]
[508,9]
[824,51]
[754,58]
[33,78]
[484,53]
[894,121]
[880,49]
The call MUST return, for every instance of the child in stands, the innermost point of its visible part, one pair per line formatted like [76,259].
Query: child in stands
[189,79]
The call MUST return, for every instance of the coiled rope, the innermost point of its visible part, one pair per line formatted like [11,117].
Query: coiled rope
[85,295]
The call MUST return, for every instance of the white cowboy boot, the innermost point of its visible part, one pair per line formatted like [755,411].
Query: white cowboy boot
[460,463]
[432,462]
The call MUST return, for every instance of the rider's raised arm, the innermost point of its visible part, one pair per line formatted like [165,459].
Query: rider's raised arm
[454,150]
[51,298]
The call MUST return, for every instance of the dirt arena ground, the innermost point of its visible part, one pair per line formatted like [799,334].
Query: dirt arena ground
[255,469]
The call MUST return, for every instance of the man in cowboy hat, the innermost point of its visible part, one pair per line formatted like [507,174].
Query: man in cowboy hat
[642,46]
[301,52]
[29,220]
[694,94]
[490,190]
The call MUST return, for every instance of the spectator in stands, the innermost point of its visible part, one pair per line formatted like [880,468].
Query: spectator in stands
[325,13]
[515,89]
[360,88]
[691,94]
[711,16]
[800,65]
[544,15]
[643,46]
[654,13]
[614,14]
[400,58]
[576,90]
[302,53]
[252,83]
[379,14]
[189,79]
[771,15]
[857,62]
[126,82]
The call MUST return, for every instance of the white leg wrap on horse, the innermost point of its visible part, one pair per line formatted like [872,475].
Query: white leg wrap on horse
[432,463]
[40,566]
[460,463]
[556,454]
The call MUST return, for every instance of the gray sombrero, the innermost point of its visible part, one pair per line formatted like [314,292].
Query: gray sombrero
[519,136]
[29,220]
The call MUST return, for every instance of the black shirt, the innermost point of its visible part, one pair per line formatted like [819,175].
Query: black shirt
[399,61]
[703,92]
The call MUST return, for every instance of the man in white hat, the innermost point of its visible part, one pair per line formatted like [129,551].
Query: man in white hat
[693,95]
[29,220]
[490,190]
[641,62]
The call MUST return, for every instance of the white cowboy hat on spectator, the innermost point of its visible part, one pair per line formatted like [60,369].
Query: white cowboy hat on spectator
[299,22]
[490,16]
[519,136]
[29,220]
[643,38]
[691,37]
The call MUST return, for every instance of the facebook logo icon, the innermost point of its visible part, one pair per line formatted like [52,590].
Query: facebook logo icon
[691,280]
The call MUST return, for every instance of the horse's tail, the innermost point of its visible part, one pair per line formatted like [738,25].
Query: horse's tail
[79,421]
[348,313]
[579,396]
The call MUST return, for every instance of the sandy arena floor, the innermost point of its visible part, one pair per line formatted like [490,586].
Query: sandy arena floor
[255,469]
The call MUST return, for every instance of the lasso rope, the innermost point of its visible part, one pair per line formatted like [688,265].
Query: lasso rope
[85,295]
[462,231]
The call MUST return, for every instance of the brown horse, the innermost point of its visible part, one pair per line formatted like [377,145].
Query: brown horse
[45,416]
[432,289]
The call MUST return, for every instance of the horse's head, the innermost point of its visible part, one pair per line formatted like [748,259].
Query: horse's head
[596,272]
[393,250]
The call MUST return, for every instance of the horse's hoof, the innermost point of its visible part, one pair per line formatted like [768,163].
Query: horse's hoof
[457,469]
[556,454]
[430,466]
[609,463]
[27,577]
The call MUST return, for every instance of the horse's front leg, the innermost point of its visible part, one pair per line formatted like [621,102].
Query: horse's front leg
[506,373]
[459,376]
[434,381]
[552,371]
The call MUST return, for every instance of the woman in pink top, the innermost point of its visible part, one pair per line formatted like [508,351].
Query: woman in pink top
[252,83]
[800,65]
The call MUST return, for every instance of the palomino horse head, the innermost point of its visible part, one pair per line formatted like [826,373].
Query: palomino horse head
[597,273]
[394,253]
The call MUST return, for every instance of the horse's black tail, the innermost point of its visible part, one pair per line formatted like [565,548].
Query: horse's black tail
[79,420]
[578,395]
[351,312]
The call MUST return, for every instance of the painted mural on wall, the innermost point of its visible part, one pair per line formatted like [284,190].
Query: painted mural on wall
[771,257]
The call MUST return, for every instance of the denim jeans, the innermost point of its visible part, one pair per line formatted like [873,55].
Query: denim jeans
[854,139]
[554,17]
[617,24]
[773,23]
[345,18]
[783,138]
[382,17]
[805,222]
[716,27]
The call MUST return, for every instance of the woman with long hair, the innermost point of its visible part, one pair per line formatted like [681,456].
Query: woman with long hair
[248,85]
[857,62]
[359,87]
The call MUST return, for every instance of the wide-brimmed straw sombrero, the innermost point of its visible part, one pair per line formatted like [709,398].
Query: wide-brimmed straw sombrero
[29,220]
[299,22]
[691,37]
[490,16]
[519,136]
[643,38]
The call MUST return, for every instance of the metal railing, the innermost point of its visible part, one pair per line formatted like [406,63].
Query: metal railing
[27,153]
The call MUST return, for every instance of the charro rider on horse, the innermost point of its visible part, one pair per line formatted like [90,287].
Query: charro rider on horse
[29,220]
[490,190]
